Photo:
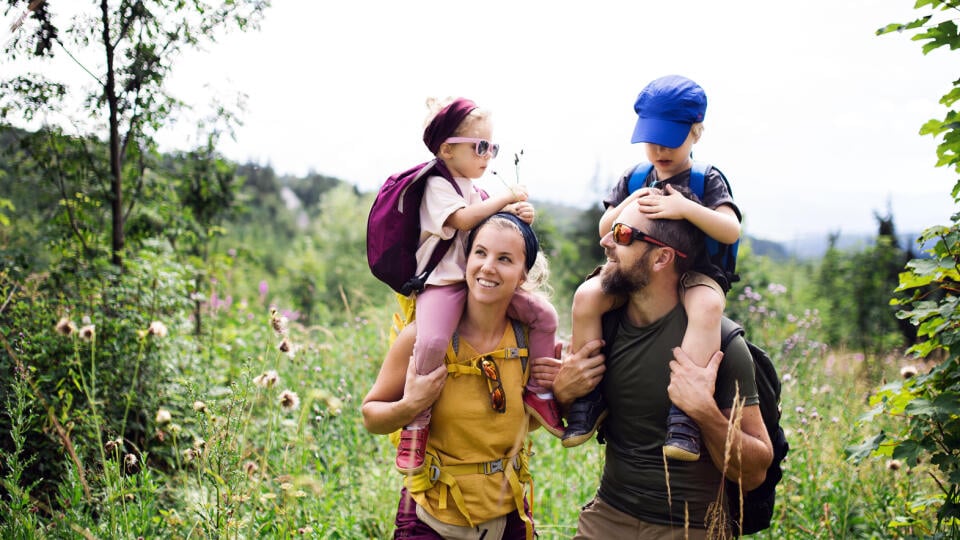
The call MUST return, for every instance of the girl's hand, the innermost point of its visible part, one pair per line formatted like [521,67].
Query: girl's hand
[524,211]
[670,205]
[519,192]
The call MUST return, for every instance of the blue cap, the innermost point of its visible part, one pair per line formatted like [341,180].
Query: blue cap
[666,108]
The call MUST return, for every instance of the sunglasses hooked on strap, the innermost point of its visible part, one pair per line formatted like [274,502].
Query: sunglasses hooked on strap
[490,371]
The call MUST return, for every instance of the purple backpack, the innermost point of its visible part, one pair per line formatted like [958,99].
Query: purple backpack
[393,229]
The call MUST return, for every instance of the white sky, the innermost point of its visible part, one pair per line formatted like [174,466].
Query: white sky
[813,118]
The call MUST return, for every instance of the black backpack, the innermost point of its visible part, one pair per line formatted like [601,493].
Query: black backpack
[758,503]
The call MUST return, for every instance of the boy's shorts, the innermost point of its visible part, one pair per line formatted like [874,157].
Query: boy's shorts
[696,279]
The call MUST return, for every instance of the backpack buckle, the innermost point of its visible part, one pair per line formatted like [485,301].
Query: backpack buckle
[511,352]
[493,467]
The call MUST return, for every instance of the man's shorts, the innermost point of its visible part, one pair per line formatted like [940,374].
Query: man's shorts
[600,521]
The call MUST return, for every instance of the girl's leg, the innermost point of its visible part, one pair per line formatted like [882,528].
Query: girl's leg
[541,319]
[438,312]
[703,300]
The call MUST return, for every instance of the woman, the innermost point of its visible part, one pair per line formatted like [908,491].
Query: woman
[475,473]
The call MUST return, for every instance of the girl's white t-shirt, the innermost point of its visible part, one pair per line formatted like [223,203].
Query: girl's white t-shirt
[439,201]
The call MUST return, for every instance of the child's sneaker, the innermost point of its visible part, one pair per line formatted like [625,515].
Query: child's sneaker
[412,450]
[683,436]
[585,415]
[544,411]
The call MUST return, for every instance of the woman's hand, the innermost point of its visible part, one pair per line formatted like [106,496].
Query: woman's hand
[421,391]
[543,371]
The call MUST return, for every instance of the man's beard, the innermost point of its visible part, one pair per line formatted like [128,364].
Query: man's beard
[616,282]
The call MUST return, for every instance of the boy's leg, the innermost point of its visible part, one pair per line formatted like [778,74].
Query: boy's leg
[438,312]
[541,319]
[703,301]
[586,412]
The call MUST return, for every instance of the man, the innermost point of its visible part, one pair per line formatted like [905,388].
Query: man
[645,370]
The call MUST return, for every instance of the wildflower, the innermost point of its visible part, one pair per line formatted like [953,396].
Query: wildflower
[199,444]
[278,322]
[199,406]
[189,454]
[266,379]
[908,372]
[158,329]
[285,346]
[65,327]
[787,377]
[175,429]
[88,332]
[131,463]
[250,468]
[894,465]
[289,400]
[113,445]
[163,416]
[305,530]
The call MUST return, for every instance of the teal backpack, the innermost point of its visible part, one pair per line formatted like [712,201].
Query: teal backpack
[722,255]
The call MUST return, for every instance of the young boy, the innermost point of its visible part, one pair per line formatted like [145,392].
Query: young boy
[670,114]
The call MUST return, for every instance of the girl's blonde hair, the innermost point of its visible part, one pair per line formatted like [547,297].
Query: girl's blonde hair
[435,105]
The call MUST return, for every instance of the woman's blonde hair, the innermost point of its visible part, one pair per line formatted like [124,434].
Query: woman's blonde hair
[537,277]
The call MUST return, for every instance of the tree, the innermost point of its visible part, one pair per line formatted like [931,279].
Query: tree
[930,403]
[136,43]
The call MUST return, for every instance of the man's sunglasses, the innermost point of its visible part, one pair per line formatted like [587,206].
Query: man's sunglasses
[624,235]
[480,146]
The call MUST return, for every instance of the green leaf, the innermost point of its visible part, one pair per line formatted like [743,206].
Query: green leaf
[858,453]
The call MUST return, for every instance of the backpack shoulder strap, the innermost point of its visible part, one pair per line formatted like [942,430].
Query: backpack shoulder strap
[698,172]
[638,177]
[729,330]
[520,335]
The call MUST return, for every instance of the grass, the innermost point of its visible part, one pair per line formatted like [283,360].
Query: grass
[233,461]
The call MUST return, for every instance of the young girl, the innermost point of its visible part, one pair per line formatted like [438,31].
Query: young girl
[670,113]
[460,136]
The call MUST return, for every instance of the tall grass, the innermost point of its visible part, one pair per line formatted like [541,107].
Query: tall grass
[259,436]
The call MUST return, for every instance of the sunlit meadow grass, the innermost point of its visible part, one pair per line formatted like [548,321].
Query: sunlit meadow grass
[260,436]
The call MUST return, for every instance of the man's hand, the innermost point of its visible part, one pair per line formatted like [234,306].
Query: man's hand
[691,386]
[579,373]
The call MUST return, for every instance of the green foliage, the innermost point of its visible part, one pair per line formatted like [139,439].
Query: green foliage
[926,405]
[128,104]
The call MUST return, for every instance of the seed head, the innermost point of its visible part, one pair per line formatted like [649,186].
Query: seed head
[65,327]
[289,400]
[266,379]
[158,329]
[908,372]
[88,332]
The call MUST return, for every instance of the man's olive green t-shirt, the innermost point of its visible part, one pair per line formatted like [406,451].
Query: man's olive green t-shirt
[635,388]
